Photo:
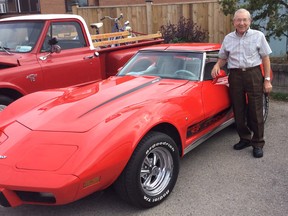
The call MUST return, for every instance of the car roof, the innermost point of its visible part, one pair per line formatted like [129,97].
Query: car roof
[200,47]
[41,17]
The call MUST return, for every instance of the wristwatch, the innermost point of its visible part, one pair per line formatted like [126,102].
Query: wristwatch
[267,78]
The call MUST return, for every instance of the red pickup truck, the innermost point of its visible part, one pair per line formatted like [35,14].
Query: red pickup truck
[29,61]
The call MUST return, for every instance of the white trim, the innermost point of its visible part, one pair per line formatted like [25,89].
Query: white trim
[18,5]
[42,17]
[2,8]
[53,17]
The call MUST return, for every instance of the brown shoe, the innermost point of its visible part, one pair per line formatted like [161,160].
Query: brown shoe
[241,145]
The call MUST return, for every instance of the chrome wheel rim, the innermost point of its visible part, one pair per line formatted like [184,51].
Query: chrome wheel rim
[156,171]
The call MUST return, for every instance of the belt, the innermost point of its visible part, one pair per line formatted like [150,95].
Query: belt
[244,69]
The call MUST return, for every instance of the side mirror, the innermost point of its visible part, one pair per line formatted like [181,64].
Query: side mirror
[55,49]
[53,41]
[222,73]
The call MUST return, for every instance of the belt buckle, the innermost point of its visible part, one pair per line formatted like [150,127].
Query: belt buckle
[243,69]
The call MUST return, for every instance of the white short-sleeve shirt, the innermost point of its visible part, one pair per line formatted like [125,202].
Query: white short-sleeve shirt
[246,51]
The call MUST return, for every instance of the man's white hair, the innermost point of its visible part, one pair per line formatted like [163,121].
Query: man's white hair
[242,10]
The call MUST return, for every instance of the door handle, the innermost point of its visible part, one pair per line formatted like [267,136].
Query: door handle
[88,57]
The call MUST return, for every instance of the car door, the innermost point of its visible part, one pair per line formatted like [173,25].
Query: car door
[215,96]
[75,64]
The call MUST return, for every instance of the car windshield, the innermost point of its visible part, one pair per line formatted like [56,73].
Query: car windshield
[165,64]
[19,37]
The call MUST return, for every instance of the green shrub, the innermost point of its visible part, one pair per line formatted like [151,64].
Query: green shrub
[279,96]
[184,31]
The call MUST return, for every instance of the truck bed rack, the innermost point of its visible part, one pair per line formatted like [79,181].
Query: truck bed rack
[108,39]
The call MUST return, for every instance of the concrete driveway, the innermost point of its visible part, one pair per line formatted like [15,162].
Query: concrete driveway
[214,180]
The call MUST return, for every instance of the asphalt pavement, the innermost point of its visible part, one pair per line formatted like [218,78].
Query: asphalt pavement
[214,180]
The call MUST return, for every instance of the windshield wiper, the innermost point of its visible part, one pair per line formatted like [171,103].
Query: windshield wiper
[6,49]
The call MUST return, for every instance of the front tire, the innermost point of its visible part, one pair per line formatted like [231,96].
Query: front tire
[151,172]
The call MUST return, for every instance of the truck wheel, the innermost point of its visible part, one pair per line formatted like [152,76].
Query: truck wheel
[4,102]
[151,172]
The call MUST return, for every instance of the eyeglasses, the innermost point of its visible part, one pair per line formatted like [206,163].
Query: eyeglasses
[245,20]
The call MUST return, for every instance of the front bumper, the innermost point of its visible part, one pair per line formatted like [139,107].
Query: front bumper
[30,187]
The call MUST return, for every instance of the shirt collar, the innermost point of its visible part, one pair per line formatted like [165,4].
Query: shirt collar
[245,33]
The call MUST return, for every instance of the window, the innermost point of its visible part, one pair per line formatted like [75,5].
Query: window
[23,6]
[69,3]
[20,36]
[167,65]
[29,6]
[12,6]
[68,34]
[2,7]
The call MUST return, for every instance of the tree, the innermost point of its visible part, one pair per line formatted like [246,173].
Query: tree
[270,16]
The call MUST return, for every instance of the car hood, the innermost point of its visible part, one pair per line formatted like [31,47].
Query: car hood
[9,60]
[80,109]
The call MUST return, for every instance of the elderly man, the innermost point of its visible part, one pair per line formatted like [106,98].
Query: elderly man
[244,50]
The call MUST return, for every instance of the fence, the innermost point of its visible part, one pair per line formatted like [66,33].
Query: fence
[148,18]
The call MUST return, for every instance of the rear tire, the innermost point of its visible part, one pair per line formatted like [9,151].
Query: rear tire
[265,106]
[151,172]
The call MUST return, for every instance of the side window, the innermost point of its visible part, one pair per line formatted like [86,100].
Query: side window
[207,72]
[68,34]
[208,68]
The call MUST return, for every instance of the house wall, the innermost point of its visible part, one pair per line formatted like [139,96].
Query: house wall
[52,6]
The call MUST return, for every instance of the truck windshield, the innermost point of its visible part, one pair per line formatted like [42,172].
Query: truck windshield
[165,64]
[19,37]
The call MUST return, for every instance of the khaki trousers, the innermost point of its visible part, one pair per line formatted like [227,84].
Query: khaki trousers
[246,92]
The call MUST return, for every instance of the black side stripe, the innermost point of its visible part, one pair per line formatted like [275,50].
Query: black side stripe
[121,95]
[198,127]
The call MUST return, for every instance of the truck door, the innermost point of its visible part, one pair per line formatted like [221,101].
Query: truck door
[75,64]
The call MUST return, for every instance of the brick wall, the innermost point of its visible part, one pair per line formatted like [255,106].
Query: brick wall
[52,6]
[58,6]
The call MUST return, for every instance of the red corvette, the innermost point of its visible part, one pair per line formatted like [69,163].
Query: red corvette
[57,146]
